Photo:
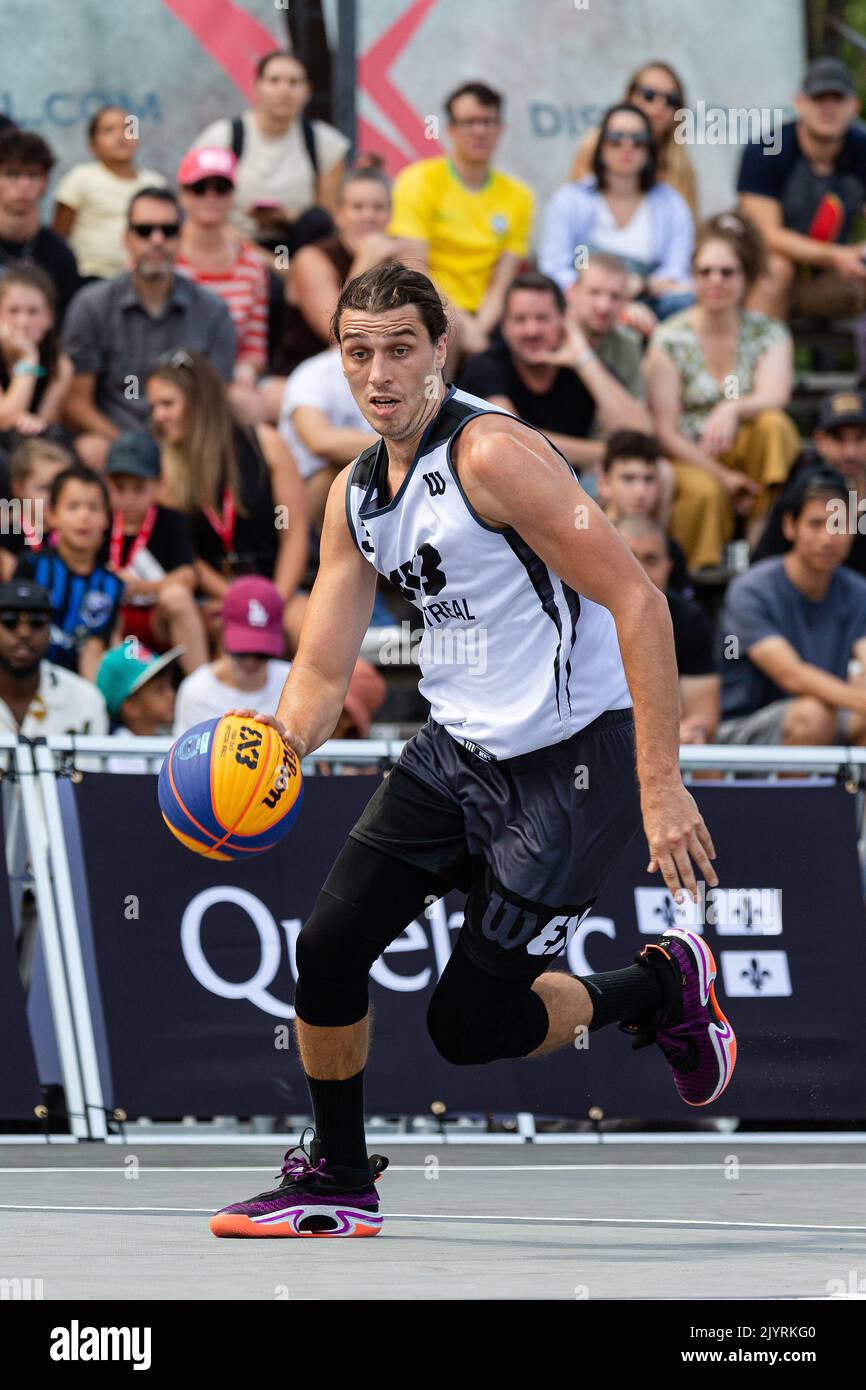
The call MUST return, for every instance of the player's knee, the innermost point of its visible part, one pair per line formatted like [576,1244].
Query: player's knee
[332,966]
[463,1036]
[474,1017]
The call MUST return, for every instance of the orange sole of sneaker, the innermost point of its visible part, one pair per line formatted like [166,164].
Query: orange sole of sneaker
[238,1226]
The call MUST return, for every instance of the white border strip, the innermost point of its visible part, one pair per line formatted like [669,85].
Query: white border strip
[94,1104]
[50,934]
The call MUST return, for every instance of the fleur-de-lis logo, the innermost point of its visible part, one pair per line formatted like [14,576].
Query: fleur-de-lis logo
[756,975]
[666,911]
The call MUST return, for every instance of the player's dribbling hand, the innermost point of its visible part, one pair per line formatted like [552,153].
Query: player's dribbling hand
[292,741]
[676,835]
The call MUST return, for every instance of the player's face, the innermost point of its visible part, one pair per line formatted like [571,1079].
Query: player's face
[650,552]
[845,448]
[130,495]
[364,208]
[532,325]
[79,516]
[23,644]
[632,486]
[819,545]
[597,299]
[393,369]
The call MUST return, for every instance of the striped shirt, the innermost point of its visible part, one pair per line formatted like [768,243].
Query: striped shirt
[243,288]
[83,605]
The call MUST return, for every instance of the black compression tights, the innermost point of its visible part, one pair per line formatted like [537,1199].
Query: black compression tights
[367,901]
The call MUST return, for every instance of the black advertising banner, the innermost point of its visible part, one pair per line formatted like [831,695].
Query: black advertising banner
[196,965]
[19,1084]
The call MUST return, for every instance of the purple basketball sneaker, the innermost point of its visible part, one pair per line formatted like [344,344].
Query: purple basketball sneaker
[314,1198]
[689,1027]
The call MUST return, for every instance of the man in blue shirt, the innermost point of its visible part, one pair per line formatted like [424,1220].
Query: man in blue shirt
[804,197]
[791,626]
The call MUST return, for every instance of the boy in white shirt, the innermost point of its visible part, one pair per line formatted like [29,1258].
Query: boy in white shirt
[92,198]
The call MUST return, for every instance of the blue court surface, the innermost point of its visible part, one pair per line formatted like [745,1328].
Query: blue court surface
[637,1220]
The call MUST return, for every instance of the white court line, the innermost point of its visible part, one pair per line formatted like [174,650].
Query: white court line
[504,1218]
[445,1166]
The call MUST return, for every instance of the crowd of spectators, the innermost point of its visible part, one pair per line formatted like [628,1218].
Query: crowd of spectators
[173,410]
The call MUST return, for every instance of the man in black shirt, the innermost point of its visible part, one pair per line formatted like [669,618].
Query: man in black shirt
[25,163]
[839,440]
[547,374]
[804,192]
[700,683]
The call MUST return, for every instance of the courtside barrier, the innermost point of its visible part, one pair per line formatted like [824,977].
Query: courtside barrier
[180,972]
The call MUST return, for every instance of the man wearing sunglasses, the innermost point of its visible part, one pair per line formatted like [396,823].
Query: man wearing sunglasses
[117,329]
[38,698]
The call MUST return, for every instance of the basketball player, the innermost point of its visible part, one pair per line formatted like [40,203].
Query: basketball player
[536,768]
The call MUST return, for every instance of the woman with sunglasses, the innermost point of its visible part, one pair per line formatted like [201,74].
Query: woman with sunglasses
[214,255]
[719,377]
[657,91]
[623,210]
[239,485]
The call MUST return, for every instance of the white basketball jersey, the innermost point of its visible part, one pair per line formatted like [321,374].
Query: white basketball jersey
[512,658]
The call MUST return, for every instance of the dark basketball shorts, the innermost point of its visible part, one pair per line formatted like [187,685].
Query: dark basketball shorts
[530,840]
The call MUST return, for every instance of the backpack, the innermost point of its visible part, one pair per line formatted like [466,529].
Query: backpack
[237,145]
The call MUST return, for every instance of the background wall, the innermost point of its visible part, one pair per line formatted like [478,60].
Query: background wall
[178,64]
[560,66]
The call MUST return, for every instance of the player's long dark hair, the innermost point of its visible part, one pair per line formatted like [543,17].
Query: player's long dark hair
[392,285]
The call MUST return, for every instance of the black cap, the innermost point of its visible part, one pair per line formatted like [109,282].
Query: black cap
[22,595]
[134,452]
[842,408]
[828,75]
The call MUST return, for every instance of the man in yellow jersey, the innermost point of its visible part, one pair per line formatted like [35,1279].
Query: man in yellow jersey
[462,221]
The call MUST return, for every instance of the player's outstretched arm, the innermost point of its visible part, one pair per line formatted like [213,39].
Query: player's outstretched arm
[336,618]
[513,477]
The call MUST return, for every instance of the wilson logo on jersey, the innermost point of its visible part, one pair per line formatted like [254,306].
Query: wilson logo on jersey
[421,576]
[435,482]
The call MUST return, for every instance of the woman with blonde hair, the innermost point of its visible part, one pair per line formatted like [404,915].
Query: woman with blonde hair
[239,485]
[657,91]
[719,377]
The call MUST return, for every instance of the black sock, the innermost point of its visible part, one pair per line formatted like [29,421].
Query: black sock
[338,1116]
[620,996]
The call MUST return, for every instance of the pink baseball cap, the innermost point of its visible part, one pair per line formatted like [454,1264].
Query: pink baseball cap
[252,615]
[206,163]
